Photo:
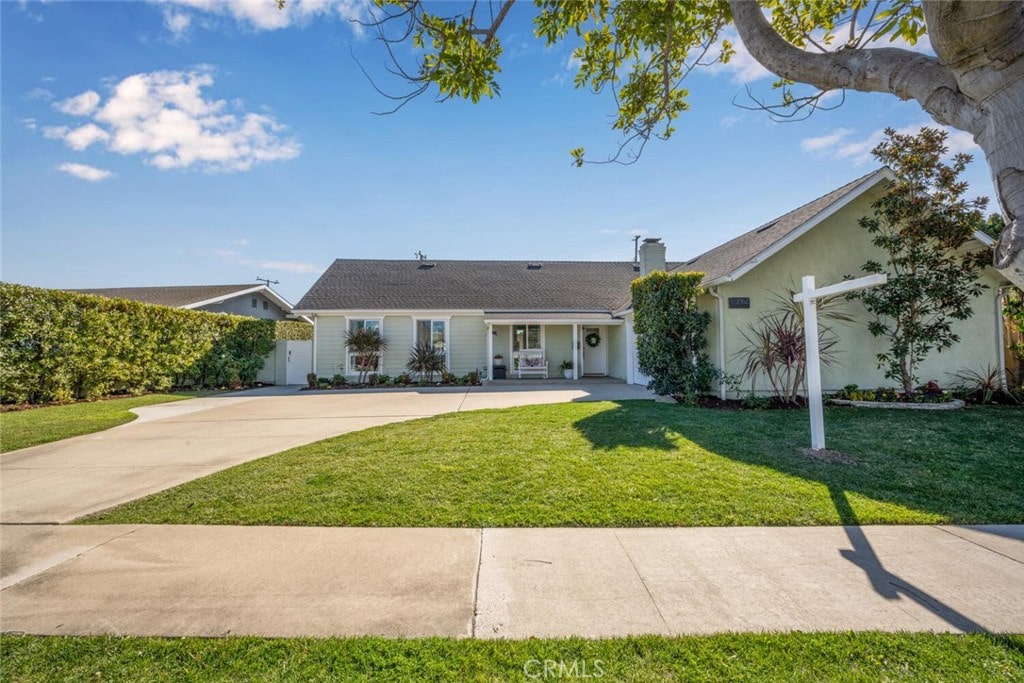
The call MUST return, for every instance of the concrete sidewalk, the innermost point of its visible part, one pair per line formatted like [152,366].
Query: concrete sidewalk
[176,442]
[507,583]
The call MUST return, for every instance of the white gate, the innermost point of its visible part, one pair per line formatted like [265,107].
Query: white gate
[298,360]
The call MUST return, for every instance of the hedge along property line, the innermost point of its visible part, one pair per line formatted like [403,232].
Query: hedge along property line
[293,330]
[60,346]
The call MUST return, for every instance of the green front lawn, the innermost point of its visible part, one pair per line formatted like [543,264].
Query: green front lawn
[635,463]
[24,428]
[733,657]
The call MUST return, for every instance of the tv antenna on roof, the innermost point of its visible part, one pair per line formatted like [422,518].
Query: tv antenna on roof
[268,281]
[636,246]
[421,256]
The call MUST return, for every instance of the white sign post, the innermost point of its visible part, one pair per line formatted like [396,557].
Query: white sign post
[809,297]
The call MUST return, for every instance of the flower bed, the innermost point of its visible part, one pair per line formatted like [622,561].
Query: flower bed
[381,381]
[925,397]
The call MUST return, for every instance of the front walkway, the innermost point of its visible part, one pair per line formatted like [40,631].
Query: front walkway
[176,442]
[507,583]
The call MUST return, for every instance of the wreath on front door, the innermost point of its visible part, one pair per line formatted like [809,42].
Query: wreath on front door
[592,339]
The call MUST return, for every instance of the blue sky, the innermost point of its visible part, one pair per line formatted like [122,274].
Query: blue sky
[201,141]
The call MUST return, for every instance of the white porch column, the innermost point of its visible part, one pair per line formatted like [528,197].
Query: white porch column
[490,351]
[314,343]
[575,351]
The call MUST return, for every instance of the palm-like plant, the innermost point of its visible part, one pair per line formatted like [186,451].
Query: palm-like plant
[775,344]
[368,345]
[426,360]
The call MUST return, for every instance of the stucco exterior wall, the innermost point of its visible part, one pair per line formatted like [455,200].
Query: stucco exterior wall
[832,250]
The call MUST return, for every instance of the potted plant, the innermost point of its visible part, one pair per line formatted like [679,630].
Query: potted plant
[566,367]
[499,360]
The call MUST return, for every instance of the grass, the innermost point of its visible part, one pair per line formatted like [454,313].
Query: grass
[634,463]
[31,427]
[732,657]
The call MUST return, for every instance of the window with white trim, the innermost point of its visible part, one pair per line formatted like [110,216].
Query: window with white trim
[434,332]
[356,362]
[524,338]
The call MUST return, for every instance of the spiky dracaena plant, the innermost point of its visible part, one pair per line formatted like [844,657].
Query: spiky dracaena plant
[775,344]
[425,360]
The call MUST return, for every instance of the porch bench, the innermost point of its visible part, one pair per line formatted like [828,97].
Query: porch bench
[532,363]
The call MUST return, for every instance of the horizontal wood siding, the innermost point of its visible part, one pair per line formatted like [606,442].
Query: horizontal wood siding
[398,335]
[616,335]
[467,339]
[330,345]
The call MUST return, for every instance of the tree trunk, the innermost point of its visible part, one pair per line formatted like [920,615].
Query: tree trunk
[976,84]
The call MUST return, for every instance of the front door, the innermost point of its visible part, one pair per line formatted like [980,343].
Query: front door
[595,351]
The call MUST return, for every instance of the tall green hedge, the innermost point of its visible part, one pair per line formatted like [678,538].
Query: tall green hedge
[672,333]
[293,330]
[61,346]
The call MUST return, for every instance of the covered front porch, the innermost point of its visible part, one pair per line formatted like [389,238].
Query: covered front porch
[539,345]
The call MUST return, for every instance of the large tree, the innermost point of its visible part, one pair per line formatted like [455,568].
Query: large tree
[642,50]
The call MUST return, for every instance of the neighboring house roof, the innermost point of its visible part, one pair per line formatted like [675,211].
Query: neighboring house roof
[188,296]
[734,258]
[493,286]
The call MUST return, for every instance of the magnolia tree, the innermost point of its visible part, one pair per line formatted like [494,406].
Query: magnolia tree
[643,50]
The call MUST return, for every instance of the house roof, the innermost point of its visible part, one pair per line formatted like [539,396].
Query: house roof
[187,296]
[735,257]
[494,286]
[501,288]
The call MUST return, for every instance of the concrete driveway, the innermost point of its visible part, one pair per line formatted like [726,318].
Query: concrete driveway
[176,442]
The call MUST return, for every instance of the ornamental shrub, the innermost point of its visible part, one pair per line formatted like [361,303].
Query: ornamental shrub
[61,346]
[672,334]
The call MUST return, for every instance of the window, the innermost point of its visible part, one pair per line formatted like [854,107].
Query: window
[356,362]
[433,331]
[354,325]
[526,337]
[266,305]
[254,302]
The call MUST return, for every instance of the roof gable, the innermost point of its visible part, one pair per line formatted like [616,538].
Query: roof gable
[737,256]
[187,296]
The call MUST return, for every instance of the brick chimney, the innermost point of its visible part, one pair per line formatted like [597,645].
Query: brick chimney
[652,255]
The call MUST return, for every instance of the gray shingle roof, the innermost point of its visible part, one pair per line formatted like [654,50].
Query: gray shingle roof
[477,285]
[726,258]
[175,296]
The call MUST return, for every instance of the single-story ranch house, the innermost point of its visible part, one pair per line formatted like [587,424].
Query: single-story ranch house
[546,312]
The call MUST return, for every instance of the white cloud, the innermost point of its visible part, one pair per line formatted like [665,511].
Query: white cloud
[164,117]
[839,143]
[55,132]
[824,141]
[264,15]
[177,23]
[79,105]
[80,138]
[291,266]
[90,173]
[39,94]
[30,124]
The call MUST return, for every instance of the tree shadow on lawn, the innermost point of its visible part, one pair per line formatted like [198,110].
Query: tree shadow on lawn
[772,439]
[966,468]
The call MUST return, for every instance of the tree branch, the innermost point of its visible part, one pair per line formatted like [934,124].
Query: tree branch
[903,73]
